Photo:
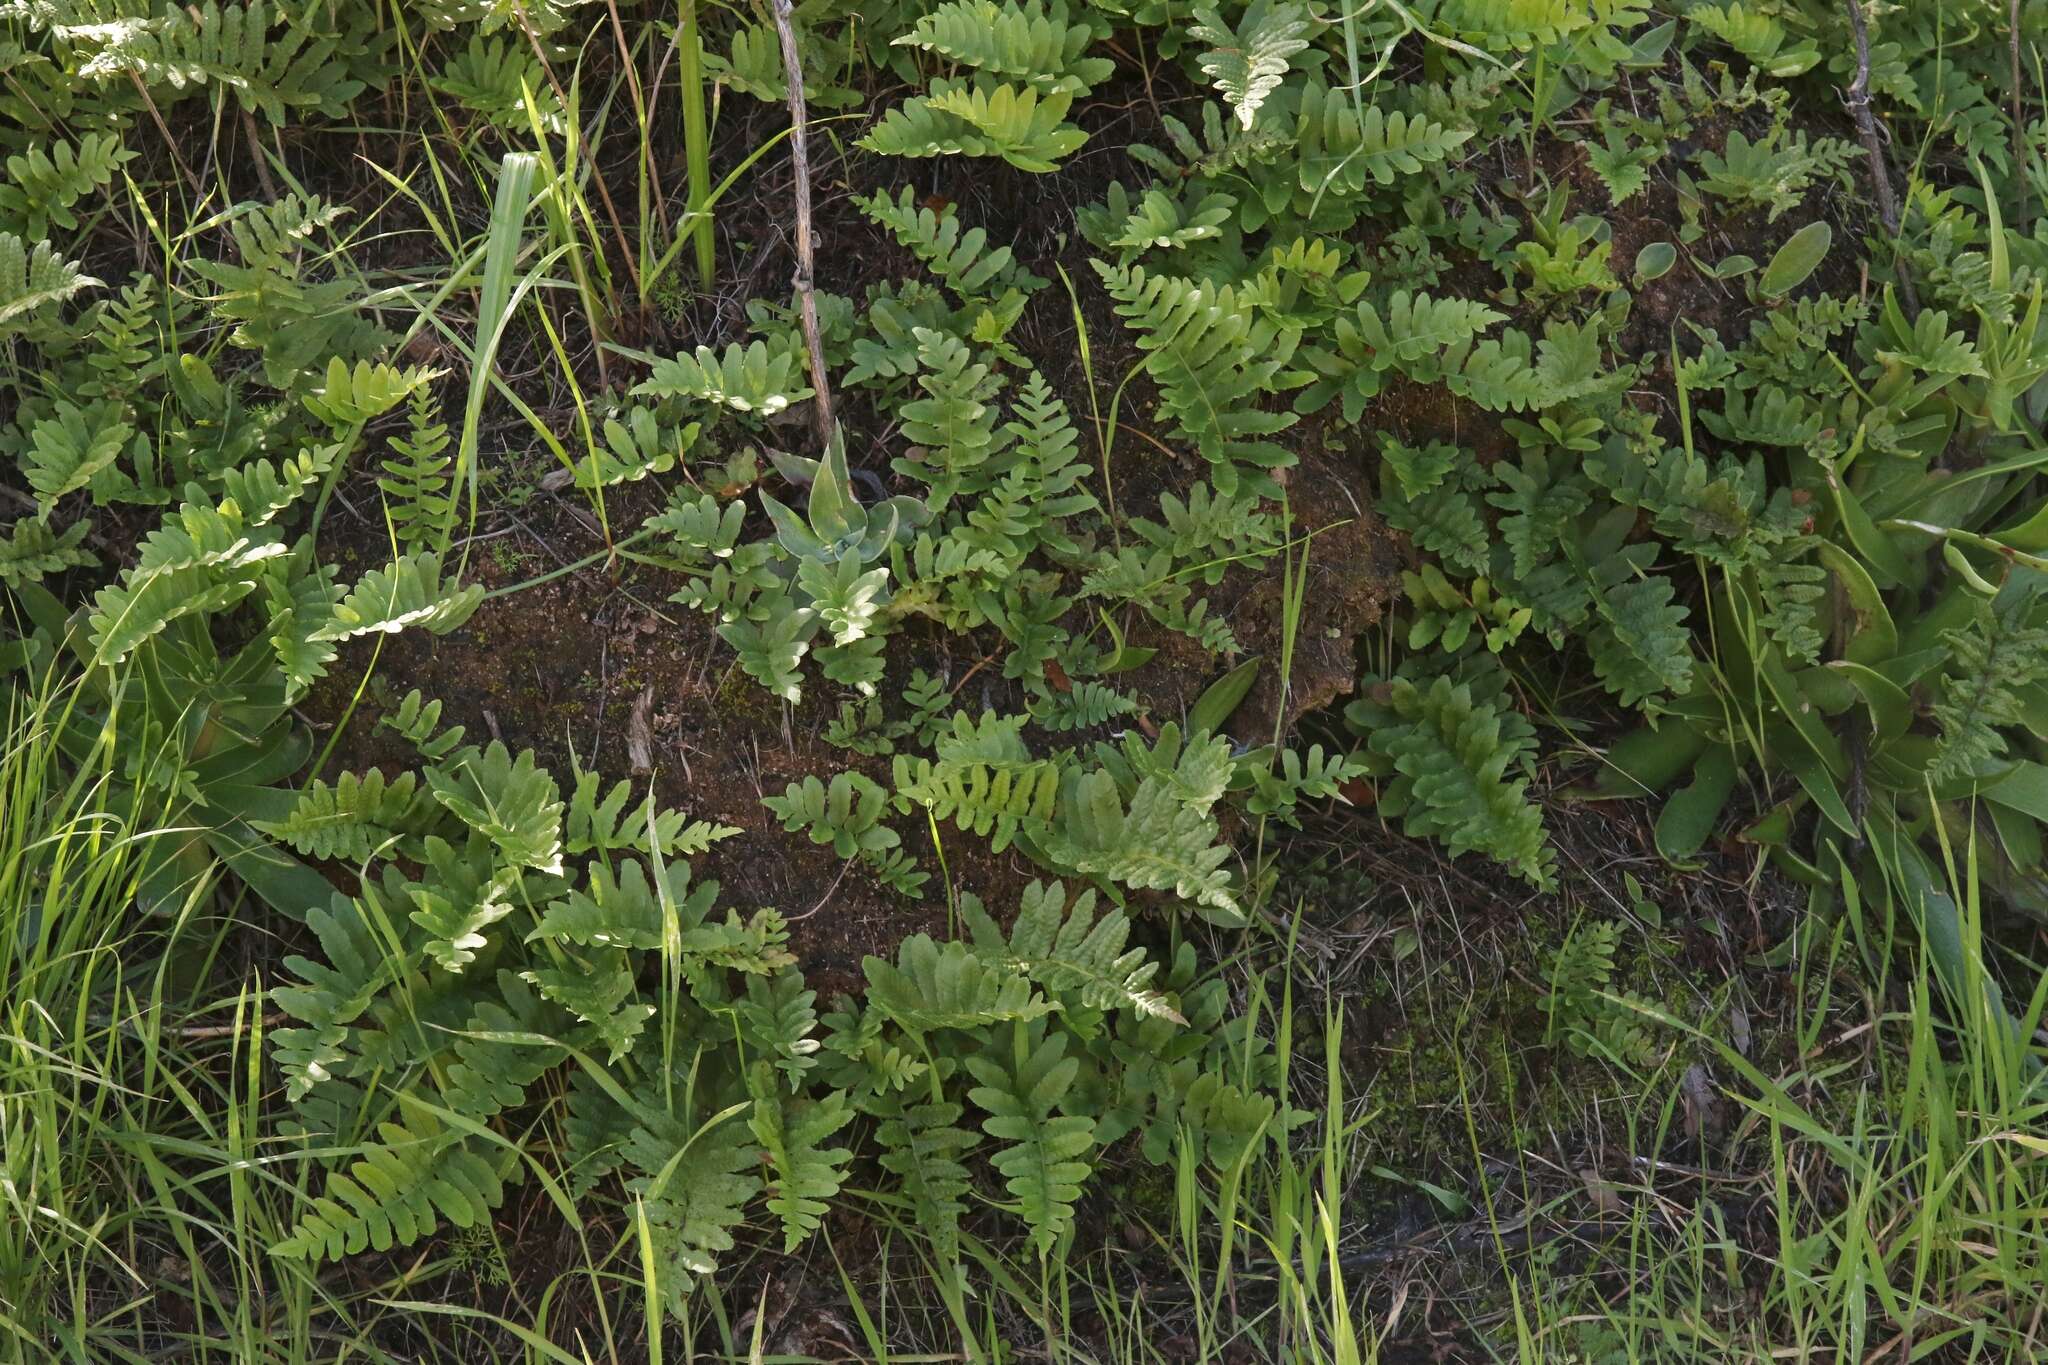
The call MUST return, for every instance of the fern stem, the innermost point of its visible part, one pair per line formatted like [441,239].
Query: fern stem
[596,556]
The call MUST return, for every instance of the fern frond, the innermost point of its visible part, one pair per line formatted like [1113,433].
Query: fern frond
[355,819]
[748,378]
[44,183]
[31,280]
[396,1194]
[407,594]
[931,987]
[32,551]
[1044,1163]
[1025,42]
[1247,65]
[806,1175]
[1074,955]
[1450,756]
[512,802]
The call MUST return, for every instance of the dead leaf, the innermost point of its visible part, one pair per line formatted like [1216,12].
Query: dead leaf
[1606,1198]
[640,733]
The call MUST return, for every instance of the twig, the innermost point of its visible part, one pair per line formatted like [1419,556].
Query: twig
[255,140]
[1858,100]
[800,159]
[2019,137]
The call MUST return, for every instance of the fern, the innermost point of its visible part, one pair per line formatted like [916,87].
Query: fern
[632,450]
[1641,649]
[397,1194]
[609,825]
[1993,660]
[931,987]
[32,551]
[1028,42]
[996,801]
[512,802]
[356,397]
[1012,122]
[963,260]
[955,421]
[353,820]
[329,996]
[1247,65]
[33,279]
[693,1187]
[922,1146]
[1071,953]
[463,896]
[1044,1163]
[847,814]
[1449,756]
[1212,356]
[44,183]
[1339,149]
[415,481]
[806,1175]
[406,594]
[75,448]
[274,71]
[750,379]
[626,909]
[1160,843]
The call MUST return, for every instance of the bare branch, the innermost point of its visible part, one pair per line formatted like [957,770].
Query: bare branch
[800,159]
[1858,99]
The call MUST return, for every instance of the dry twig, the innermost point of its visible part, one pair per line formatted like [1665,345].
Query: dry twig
[1858,99]
[800,160]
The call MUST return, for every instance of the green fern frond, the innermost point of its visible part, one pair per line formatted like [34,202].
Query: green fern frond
[955,119]
[1017,41]
[1450,756]
[962,259]
[415,481]
[396,1194]
[512,802]
[1161,843]
[628,909]
[751,379]
[806,1175]
[1044,1164]
[355,397]
[922,1146]
[355,819]
[931,987]
[1071,953]
[407,594]
[1247,65]
[32,551]
[31,280]
[44,183]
